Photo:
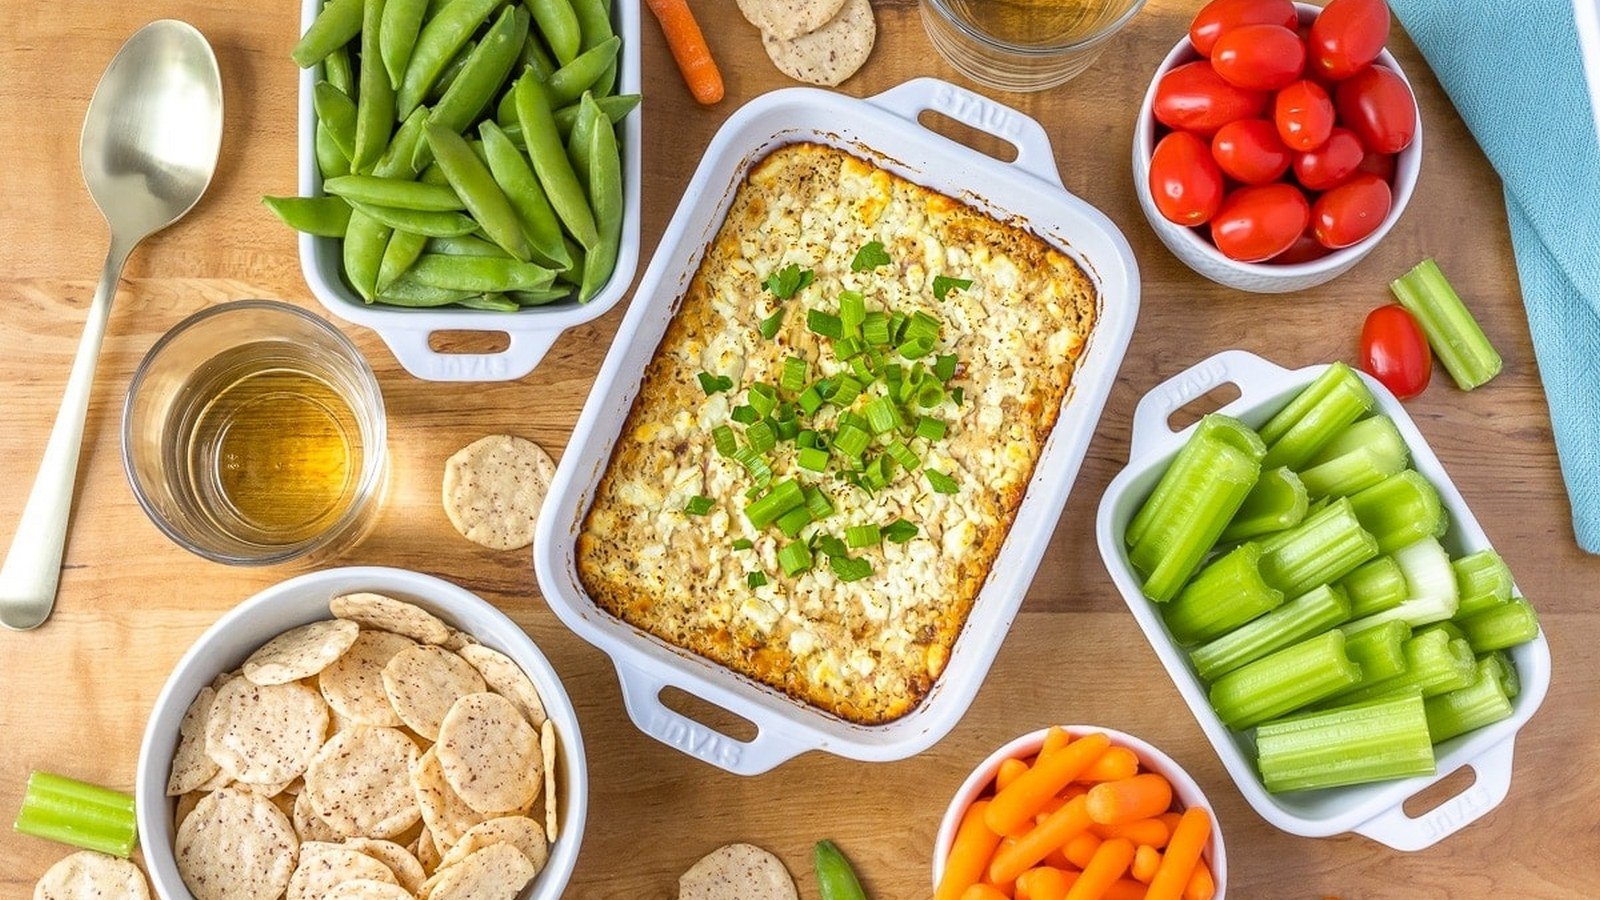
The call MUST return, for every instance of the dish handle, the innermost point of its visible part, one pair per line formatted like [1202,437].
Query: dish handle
[1021,131]
[641,694]
[523,352]
[1403,832]
[1251,374]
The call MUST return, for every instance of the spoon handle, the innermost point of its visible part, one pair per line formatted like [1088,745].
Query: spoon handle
[32,568]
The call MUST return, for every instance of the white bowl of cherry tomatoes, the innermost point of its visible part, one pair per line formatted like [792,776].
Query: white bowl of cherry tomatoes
[1278,143]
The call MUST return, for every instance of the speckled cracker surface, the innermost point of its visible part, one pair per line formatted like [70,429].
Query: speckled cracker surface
[521,832]
[300,652]
[737,872]
[490,754]
[830,54]
[368,889]
[498,870]
[789,18]
[325,866]
[191,766]
[235,846]
[423,682]
[493,488]
[383,613]
[87,875]
[353,684]
[264,734]
[506,678]
[447,815]
[402,862]
[360,782]
[547,743]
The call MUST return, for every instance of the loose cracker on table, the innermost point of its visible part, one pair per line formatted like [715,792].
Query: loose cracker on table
[493,488]
[498,870]
[235,846]
[830,54]
[191,767]
[521,832]
[490,754]
[447,815]
[506,678]
[789,18]
[324,866]
[407,870]
[423,682]
[360,782]
[87,875]
[737,872]
[382,613]
[300,652]
[353,684]
[265,734]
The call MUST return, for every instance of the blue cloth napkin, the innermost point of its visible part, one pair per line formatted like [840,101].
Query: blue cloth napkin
[1516,75]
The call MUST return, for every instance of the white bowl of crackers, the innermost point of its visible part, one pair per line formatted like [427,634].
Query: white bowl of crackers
[362,734]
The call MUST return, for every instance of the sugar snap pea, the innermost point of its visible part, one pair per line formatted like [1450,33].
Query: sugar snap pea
[428,223]
[835,879]
[479,273]
[407,291]
[441,38]
[521,187]
[578,143]
[364,243]
[570,81]
[466,245]
[550,162]
[336,25]
[540,297]
[594,21]
[448,76]
[331,161]
[559,25]
[573,274]
[403,250]
[616,107]
[492,301]
[396,159]
[534,57]
[394,192]
[434,6]
[485,72]
[336,112]
[375,102]
[477,188]
[397,34]
[321,216]
[338,71]
[605,195]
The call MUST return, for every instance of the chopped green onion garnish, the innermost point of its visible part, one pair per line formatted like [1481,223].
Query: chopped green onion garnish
[793,378]
[846,417]
[922,327]
[849,569]
[699,506]
[812,459]
[818,503]
[941,482]
[755,580]
[915,349]
[794,558]
[771,325]
[944,368]
[943,285]
[899,531]
[726,442]
[903,455]
[788,429]
[875,328]
[870,256]
[882,415]
[897,327]
[845,391]
[713,384]
[809,400]
[755,464]
[847,347]
[931,428]
[879,472]
[862,367]
[808,438]
[745,415]
[784,496]
[763,397]
[831,545]
[761,437]
[929,394]
[825,324]
[792,521]
[852,311]
[743,544]
[788,281]
[863,536]
[959,395]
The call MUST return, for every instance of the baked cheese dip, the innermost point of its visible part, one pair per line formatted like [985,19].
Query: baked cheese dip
[831,441]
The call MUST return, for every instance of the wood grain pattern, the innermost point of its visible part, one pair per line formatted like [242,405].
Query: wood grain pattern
[74,695]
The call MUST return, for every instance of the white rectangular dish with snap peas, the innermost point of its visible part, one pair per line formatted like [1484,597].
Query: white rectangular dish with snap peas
[531,330]
[1374,809]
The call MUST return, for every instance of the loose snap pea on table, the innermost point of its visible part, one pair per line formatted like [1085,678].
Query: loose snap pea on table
[375,95]
[605,194]
[364,243]
[478,273]
[336,113]
[397,34]
[427,223]
[550,161]
[403,250]
[441,38]
[394,192]
[570,81]
[337,25]
[321,216]
[559,24]
[477,188]
[510,169]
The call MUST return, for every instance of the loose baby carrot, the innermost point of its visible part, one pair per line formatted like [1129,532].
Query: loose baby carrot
[982,892]
[688,46]
[1010,771]
[1145,860]
[969,853]
[1030,792]
[1125,889]
[1151,832]
[1111,859]
[1054,739]
[1114,764]
[1081,849]
[1183,854]
[1128,800]
[1063,825]
[1044,883]
[1201,886]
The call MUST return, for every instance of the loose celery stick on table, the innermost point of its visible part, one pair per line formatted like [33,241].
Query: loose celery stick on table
[1500,627]
[1456,337]
[1278,501]
[1375,586]
[78,813]
[1226,594]
[1296,620]
[1481,703]
[1347,745]
[1483,581]
[1379,650]
[1282,682]
[1337,398]
[1431,588]
[1400,510]
[1328,545]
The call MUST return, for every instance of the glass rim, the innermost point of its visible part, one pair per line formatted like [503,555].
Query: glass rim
[373,465]
[1083,43]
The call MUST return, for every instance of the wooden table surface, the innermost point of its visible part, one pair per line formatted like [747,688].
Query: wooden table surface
[74,694]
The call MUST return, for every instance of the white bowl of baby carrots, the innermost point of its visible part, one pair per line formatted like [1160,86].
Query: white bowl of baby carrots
[1075,812]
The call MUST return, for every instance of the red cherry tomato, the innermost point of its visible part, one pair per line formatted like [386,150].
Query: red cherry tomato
[1194,98]
[1304,115]
[1249,151]
[1351,211]
[1305,248]
[1259,222]
[1347,35]
[1394,351]
[1185,180]
[1220,15]
[1377,105]
[1330,164]
[1379,164]
[1259,57]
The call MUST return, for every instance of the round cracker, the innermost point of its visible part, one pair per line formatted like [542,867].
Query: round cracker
[506,678]
[737,872]
[830,54]
[498,870]
[789,18]
[235,846]
[353,684]
[423,682]
[382,613]
[493,488]
[368,889]
[447,815]
[308,825]
[490,754]
[360,782]
[521,832]
[191,767]
[402,862]
[324,866]
[547,742]
[87,875]
[300,652]
[265,734]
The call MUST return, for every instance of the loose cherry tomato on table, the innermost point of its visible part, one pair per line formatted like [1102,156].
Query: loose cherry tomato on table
[1377,105]
[1193,97]
[1304,115]
[1259,222]
[1328,165]
[1259,57]
[1394,351]
[1184,180]
[1220,15]
[1249,151]
[1347,35]
[1351,211]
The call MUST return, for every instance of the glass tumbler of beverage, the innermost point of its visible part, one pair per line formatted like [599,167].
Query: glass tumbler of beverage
[254,433]
[1023,45]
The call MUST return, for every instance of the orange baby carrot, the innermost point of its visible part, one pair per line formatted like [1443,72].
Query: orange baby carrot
[1125,889]
[1170,819]
[1111,859]
[1129,799]
[1145,860]
[1034,788]
[1114,764]
[1054,739]
[969,853]
[1044,883]
[982,892]
[1081,849]
[1050,806]
[1202,886]
[1010,771]
[1063,825]
[1151,832]
[688,46]
[1057,859]
[1183,854]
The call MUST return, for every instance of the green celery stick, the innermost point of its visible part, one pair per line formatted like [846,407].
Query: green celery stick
[1226,594]
[1375,586]
[1357,470]
[1483,581]
[1506,669]
[1376,432]
[1282,682]
[1400,510]
[1452,331]
[1296,620]
[1457,712]
[1501,627]
[78,813]
[1337,398]
[1430,586]
[1379,650]
[1435,664]
[1278,501]
[1448,627]
[1320,550]
[1347,745]
[1189,466]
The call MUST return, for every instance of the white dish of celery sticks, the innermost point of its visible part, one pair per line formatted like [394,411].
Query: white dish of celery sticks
[1332,689]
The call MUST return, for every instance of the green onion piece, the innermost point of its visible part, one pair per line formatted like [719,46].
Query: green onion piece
[845,391]
[713,384]
[794,558]
[825,324]
[1226,594]
[899,531]
[809,401]
[1326,407]
[930,428]
[743,544]
[852,311]
[894,375]
[1375,586]
[875,329]
[1501,627]
[1482,580]
[879,472]
[849,568]
[787,429]
[881,415]
[699,506]
[1400,510]
[812,459]
[847,347]
[809,438]
[754,490]
[1325,547]
[857,536]
[1358,458]
[771,325]
[943,285]
[861,367]
[930,393]
[1380,650]
[1452,331]
[788,281]
[791,522]
[755,464]
[75,812]
[784,496]
[870,256]
[818,503]
[1199,493]
[1507,670]
[1278,501]
[1431,594]
[763,398]
[761,437]
[959,395]
[1348,745]
[897,327]
[905,456]
[915,349]
[1284,681]
[940,482]
[830,545]
[1457,712]
[793,378]
[944,368]
[755,580]
[846,417]
[851,441]
[922,327]
[1300,618]
[725,440]
[1435,664]
[745,415]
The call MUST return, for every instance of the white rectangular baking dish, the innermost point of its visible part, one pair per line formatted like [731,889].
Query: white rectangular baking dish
[884,128]
[1373,810]
[531,331]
